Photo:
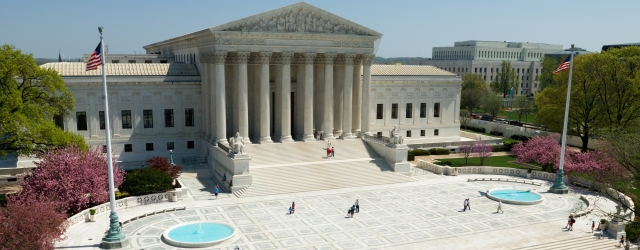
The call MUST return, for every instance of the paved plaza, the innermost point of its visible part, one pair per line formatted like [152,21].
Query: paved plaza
[424,214]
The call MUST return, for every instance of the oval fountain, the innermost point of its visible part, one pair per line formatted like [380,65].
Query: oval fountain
[515,196]
[198,234]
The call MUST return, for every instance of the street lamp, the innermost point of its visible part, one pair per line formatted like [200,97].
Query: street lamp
[171,157]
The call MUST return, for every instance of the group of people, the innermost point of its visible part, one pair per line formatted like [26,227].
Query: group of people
[318,136]
[224,180]
[466,205]
[570,223]
[292,208]
[355,208]
[331,152]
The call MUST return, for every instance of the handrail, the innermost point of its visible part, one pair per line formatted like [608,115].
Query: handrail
[385,141]
[224,147]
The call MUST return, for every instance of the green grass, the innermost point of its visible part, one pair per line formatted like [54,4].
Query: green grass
[511,116]
[506,140]
[494,161]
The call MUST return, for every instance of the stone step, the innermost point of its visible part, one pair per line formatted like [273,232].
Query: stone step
[589,241]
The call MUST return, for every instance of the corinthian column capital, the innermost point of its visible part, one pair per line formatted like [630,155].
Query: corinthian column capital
[219,57]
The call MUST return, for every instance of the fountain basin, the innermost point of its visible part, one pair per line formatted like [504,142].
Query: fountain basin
[198,234]
[515,196]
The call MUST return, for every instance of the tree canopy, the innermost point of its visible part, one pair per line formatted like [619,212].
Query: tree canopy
[605,95]
[30,97]
[491,103]
[505,80]
[549,64]
[473,88]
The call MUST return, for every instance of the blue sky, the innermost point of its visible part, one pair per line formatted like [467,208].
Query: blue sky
[410,28]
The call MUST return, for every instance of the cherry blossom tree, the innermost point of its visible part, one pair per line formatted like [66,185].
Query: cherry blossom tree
[162,163]
[466,151]
[544,150]
[31,223]
[483,150]
[74,177]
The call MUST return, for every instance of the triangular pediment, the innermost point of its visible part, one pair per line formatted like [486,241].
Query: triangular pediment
[297,18]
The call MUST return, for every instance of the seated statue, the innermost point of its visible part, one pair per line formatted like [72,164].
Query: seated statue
[236,144]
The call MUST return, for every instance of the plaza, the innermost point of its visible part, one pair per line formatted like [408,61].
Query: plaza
[420,211]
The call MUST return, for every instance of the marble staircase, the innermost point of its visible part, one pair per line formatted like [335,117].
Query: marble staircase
[302,166]
[587,241]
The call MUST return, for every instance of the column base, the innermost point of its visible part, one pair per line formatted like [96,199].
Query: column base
[329,137]
[308,138]
[559,190]
[265,140]
[356,133]
[347,136]
[286,139]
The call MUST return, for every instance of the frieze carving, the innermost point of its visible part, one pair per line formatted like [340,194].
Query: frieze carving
[113,93]
[261,57]
[346,59]
[306,58]
[299,20]
[424,94]
[80,99]
[188,97]
[437,93]
[283,57]
[168,98]
[125,98]
[91,94]
[379,95]
[146,98]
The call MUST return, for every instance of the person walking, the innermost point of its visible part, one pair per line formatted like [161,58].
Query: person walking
[621,241]
[464,205]
[293,207]
[499,207]
[627,244]
[224,178]
[468,204]
[216,191]
[328,152]
[568,222]
[593,225]
[357,206]
[333,152]
[290,210]
[230,185]
[353,209]
[573,221]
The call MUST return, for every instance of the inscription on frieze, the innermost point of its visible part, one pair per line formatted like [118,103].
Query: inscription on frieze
[281,42]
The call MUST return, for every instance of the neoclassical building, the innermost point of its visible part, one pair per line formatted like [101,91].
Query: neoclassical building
[283,75]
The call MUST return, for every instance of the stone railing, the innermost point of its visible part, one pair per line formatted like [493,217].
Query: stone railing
[436,169]
[469,135]
[193,160]
[486,139]
[125,203]
[543,175]
[385,141]
[224,148]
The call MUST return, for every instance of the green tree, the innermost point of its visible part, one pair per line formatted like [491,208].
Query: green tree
[617,74]
[473,88]
[29,99]
[522,105]
[505,80]
[549,64]
[491,103]
[584,114]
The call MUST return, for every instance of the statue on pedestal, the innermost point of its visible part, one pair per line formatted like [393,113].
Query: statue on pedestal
[236,144]
[394,135]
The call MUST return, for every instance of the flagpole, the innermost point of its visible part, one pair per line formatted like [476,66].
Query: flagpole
[559,187]
[114,238]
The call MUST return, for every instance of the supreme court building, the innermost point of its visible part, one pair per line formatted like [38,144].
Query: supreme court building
[281,76]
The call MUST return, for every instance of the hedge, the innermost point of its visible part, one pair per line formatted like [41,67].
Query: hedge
[443,163]
[497,133]
[507,146]
[146,181]
[439,151]
[520,138]
[476,129]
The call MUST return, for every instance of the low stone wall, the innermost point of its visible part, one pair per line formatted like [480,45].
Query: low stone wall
[125,203]
[436,169]
[235,166]
[395,156]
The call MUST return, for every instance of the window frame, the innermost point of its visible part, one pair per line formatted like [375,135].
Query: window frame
[168,118]
[101,120]
[191,144]
[436,132]
[189,119]
[379,111]
[149,146]
[81,116]
[423,110]
[147,118]
[126,119]
[408,110]
[128,148]
[436,109]
[170,145]
[394,111]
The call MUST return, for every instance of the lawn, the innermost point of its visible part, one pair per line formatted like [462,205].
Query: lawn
[494,161]
[511,116]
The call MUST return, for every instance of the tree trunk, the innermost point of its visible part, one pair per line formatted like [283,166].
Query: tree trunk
[585,142]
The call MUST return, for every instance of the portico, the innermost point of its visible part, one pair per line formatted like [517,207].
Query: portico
[280,76]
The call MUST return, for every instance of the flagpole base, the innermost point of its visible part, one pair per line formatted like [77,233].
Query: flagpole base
[115,238]
[558,186]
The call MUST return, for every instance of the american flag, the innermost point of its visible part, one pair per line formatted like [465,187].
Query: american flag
[95,60]
[564,65]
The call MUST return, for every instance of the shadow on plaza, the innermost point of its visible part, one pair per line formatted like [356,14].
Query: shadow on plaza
[83,246]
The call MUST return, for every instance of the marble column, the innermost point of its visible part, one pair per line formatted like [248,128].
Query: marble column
[366,93]
[220,100]
[357,97]
[204,90]
[242,95]
[210,101]
[338,91]
[328,61]
[263,58]
[307,133]
[283,95]
[347,95]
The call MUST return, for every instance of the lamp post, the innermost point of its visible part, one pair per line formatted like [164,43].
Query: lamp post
[559,187]
[171,157]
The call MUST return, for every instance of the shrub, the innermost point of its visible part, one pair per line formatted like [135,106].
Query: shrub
[509,145]
[633,231]
[92,211]
[439,151]
[122,194]
[31,223]
[443,163]
[521,138]
[419,152]
[146,181]
[162,163]
[498,148]
[475,129]
[410,156]
[496,133]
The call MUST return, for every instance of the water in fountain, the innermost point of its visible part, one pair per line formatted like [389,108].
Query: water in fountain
[514,190]
[199,229]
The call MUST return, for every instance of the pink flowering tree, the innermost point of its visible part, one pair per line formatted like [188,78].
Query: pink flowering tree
[74,177]
[483,150]
[31,224]
[544,150]
[466,151]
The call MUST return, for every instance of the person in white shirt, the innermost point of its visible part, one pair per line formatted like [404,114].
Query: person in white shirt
[499,207]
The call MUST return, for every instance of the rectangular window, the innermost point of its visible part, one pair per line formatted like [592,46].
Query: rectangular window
[191,144]
[423,110]
[115,61]
[408,133]
[149,146]
[170,145]
[128,148]
[163,61]
[104,149]
[394,111]
[81,121]
[379,112]
[436,109]
[126,119]
[379,134]
[436,132]
[132,61]
[147,61]
[147,116]
[101,117]
[59,121]
[188,117]
[409,110]
[422,132]
[168,118]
